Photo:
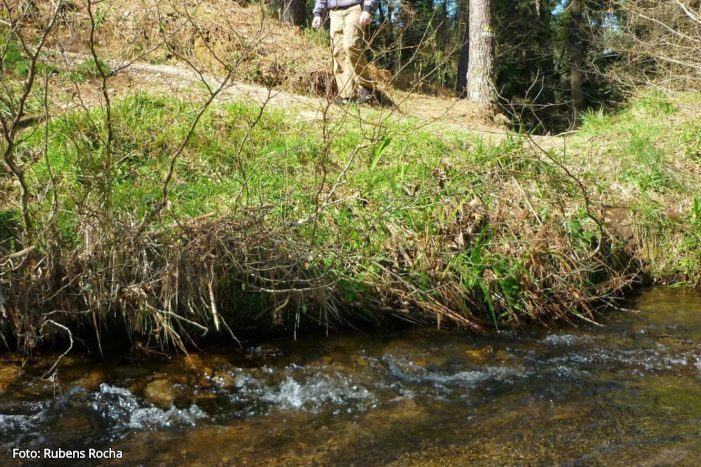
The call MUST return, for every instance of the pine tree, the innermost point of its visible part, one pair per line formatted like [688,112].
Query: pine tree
[576,59]
[480,71]
[464,57]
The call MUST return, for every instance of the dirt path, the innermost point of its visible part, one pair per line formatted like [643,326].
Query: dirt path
[436,112]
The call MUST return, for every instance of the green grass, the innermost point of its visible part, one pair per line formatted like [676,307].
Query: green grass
[648,169]
[13,59]
[87,69]
[279,164]
[652,151]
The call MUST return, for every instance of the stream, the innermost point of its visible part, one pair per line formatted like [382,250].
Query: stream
[625,393]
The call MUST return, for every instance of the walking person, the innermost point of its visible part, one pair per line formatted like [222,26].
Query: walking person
[350,67]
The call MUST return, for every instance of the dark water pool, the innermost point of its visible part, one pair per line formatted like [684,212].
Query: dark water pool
[628,393]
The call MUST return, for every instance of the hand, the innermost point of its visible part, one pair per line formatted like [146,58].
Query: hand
[365,18]
[316,22]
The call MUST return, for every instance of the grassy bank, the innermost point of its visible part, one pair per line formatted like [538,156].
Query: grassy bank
[648,160]
[273,220]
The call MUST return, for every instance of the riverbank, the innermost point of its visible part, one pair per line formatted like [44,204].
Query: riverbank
[257,218]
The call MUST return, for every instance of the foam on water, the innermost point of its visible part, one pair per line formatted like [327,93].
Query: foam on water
[474,377]
[562,340]
[318,391]
[151,418]
[113,403]
[296,388]
[23,422]
[122,408]
[567,372]
[407,371]
[13,423]
[647,360]
[404,369]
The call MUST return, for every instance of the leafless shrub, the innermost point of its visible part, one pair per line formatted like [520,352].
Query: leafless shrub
[658,43]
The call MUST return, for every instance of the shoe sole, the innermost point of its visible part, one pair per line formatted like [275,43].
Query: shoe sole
[370,101]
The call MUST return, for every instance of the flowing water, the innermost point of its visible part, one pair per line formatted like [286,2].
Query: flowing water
[628,393]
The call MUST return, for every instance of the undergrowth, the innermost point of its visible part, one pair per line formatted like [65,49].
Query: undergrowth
[278,221]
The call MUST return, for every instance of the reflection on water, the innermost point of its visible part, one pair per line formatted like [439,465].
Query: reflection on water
[628,392]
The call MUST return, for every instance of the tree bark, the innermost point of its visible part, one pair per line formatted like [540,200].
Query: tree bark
[294,12]
[574,44]
[480,70]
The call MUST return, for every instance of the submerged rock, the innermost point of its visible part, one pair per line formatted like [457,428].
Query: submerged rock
[480,355]
[92,380]
[160,392]
[222,379]
[8,375]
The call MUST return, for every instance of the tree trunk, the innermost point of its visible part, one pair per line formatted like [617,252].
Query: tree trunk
[480,70]
[464,58]
[294,12]
[574,44]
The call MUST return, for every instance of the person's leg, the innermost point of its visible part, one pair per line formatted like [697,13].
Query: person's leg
[354,46]
[345,88]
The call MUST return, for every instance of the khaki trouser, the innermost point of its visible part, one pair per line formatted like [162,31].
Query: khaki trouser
[350,67]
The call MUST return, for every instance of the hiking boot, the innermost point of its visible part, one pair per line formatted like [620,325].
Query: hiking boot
[341,101]
[365,95]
